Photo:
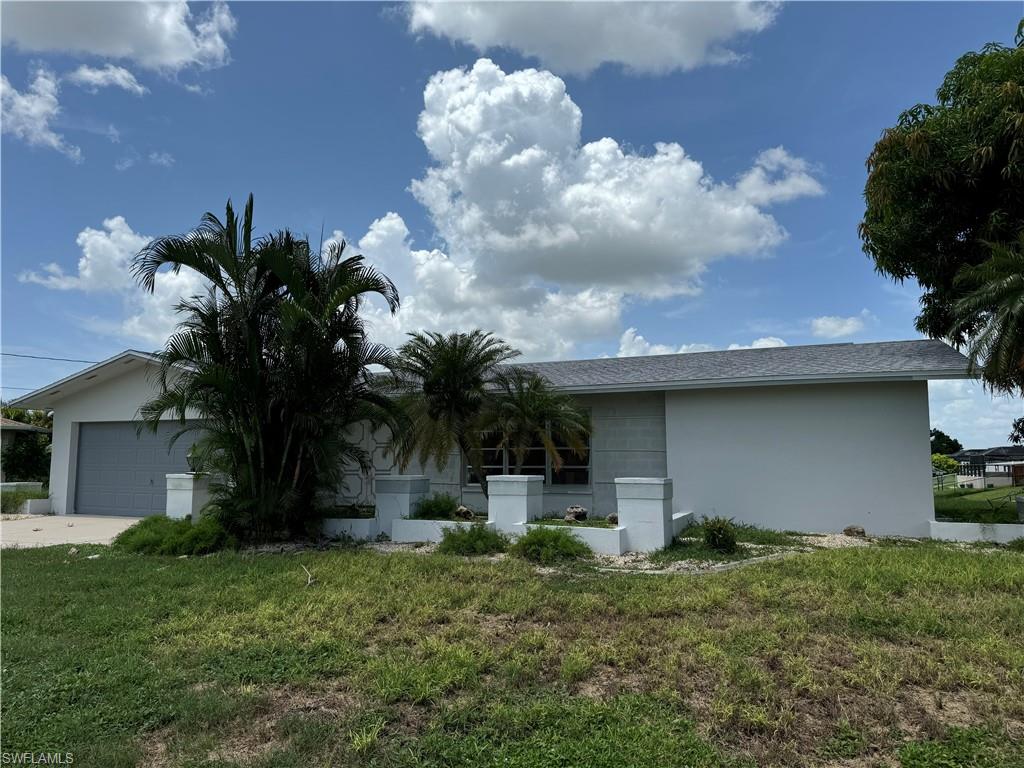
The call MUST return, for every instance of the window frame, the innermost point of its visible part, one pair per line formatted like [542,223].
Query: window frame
[549,486]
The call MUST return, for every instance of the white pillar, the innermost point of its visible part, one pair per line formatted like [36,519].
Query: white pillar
[397,496]
[513,500]
[645,511]
[187,494]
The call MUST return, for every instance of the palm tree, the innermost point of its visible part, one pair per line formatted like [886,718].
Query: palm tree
[526,411]
[994,309]
[273,359]
[445,380]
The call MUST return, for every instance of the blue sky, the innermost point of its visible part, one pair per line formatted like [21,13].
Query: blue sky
[689,180]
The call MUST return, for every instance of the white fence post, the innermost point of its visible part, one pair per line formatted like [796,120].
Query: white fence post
[645,511]
[397,496]
[514,500]
[187,494]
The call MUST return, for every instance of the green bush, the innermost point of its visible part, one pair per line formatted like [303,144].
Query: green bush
[439,506]
[163,536]
[549,544]
[1016,545]
[27,458]
[11,501]
[476,539]
[719,534]
[944,464]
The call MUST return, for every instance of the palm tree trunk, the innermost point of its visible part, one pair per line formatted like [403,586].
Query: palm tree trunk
[474,462]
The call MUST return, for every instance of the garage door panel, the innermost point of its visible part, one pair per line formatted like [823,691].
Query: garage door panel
[123,472]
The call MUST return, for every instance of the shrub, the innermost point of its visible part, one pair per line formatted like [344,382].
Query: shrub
[1016,545]
[163,536]
[439,506]
[548,544]
[11,501]
[719,534]
[944,465]
[475,539]
[27,458]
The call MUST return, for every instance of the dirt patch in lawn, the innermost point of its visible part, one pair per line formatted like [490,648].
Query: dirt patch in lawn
[255,734]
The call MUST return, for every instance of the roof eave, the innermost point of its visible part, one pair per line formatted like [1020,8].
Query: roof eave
[765,381]
[45,397]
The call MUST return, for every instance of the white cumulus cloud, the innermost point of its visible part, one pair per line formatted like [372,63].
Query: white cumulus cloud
[110,76]
[765,342]
[440,294]
[513,185]
[835,327]
[964,410]
[164,36]
[104,267]
[632,344]
[29,114]
[577,37]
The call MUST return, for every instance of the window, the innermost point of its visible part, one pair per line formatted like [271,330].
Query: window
[575,469]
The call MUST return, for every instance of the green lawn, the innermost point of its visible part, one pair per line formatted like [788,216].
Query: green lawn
[909,655]
[988,505]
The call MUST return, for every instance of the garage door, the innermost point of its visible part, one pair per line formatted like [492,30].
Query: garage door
[121,472]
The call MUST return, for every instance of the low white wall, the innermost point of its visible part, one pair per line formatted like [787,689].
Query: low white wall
[411,531]
[604,541]
[36,507]
[808,458]
[358,528]
[681,521]
[21,485]
[999,533]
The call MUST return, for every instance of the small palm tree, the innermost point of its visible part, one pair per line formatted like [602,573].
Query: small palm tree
[445,381]
[994,310]
[274,359]
[526,412]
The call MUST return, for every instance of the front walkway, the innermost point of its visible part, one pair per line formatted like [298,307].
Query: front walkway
[48,530]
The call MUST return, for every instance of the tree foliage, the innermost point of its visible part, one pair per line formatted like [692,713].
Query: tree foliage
[943,443]
[445,381]
[27,458]
[944,464]
[947,181]
[526,411]
[275,359]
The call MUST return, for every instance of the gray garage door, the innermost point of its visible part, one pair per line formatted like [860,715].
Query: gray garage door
[124,473]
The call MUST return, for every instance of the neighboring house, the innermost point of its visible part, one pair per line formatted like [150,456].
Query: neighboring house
[1003,454]
[11,430]
[810,438]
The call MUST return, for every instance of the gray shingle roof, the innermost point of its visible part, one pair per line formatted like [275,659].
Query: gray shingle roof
[923,358]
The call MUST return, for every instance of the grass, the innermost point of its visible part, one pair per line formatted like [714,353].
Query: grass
[689,545]
[12,501]
[987,505]
[907,656]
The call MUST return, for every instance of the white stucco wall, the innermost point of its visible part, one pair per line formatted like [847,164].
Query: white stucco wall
[809,458]
[118,399]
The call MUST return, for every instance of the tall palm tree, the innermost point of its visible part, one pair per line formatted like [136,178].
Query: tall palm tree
[994,309]
[445,380]
[273,358]
[526,412]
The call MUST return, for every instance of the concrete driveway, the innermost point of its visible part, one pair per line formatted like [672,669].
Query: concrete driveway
[48,530]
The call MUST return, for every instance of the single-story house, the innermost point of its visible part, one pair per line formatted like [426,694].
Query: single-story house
[811,438]
[11,430]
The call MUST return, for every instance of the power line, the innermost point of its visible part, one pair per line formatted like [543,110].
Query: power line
[44,357]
